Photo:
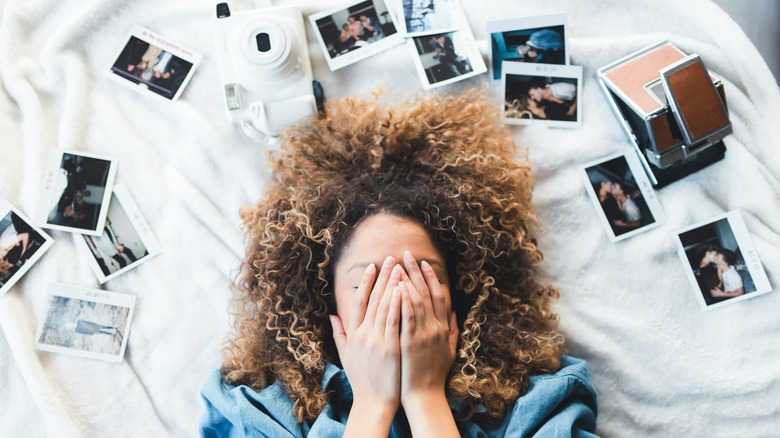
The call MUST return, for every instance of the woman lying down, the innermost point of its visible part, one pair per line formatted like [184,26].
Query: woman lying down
[390,287]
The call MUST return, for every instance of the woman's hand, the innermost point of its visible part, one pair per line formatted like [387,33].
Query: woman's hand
[370,350]
[428,341]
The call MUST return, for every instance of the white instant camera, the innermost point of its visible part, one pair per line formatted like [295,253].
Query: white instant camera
[265,68]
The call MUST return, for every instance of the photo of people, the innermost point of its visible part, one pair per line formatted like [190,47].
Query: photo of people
[125,242]
[447,57]
[21,245]
[149,62]
[623,195]
[719,261]
[86,322]
[363,27]
[541,93]
[429,16]
[77,189]
[531,39]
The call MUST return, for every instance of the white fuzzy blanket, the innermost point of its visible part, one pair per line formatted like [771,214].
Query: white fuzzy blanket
[661,366]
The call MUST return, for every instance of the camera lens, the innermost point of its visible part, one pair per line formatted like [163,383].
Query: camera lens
[263,42]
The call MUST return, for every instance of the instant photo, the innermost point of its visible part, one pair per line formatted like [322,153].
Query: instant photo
[152,64]
[541,94]
[21,245]
[445,58]
[623,196]
[539,40]
[426,17]
[720,261]
[355,31]
[76,190]
[126,241]
[86,322]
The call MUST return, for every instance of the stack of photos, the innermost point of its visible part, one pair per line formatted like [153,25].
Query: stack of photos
[354,31]
[531,58]
[76,190]
[441,42]
[86,322]
[152,64]
[21,245]
[720,261]
[623,196]
[126,240]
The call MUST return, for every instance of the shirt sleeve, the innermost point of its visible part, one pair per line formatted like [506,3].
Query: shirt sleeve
[238,411]
[563,404]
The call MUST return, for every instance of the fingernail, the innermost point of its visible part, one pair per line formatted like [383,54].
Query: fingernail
[401,285]
[408,256]
[370,268]
[388,262]
[396,291]
[425,265]
[396,271]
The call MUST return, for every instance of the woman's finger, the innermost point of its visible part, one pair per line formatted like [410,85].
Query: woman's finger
[422,306]
[379,288]
[453,334]
[408,326]
[418,281]
[439,300]
[360,299]
[383,308]
[393,323]
[339,336]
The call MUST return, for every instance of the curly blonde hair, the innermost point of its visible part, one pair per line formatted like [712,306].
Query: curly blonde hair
[441,160]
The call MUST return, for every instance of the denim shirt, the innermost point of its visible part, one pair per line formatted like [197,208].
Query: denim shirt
[556,405]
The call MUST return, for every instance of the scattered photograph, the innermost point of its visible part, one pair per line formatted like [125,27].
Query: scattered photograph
[542,94]
[445,58]
[425,17]
[126,241]
[150,63]
[720,261]
[540,40]
[21,245]
[623,196]
[86,322]
[354,31]
[76,190]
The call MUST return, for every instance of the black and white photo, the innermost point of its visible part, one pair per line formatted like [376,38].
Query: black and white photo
[86,322]
[623,196]
[720,261]
[542,94]
[425,17]
[539,40]
[150,63]
[21,245]
[76,190]
[354,31]
[445,58]
[126,240]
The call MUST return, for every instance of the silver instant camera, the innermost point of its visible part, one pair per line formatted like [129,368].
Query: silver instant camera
[671,107]
[265,68]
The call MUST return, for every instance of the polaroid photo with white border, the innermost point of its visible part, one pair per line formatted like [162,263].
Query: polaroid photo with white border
[622,195]
[151,64]
[21,245]
[541,94]
[355,31]
[76,191]
[538,40]
[721,262]
[445,58]
[86,322]
[427,17]
[126,241]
